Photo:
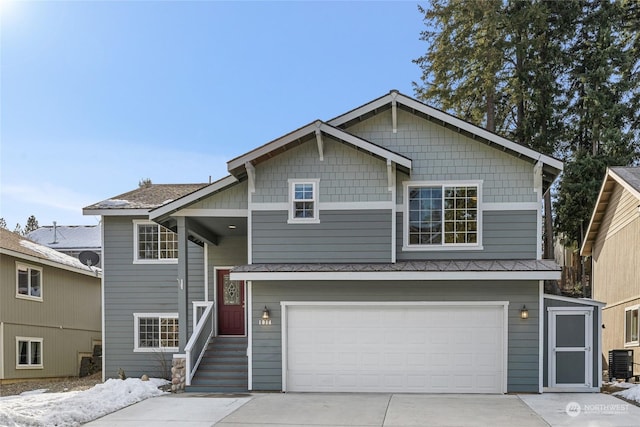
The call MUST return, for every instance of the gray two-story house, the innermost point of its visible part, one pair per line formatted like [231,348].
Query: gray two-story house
[394,248]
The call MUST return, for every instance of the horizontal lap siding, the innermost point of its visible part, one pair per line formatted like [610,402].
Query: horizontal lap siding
[506,235]
[139,288]
[341,236]
[60,350]
[522,334]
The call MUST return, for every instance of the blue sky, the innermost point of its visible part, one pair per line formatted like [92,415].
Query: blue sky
[95,96]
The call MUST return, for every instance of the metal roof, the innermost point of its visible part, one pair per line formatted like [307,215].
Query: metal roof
[68,236]
[20,247]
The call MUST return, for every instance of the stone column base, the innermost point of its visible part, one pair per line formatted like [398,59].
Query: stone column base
[178,373]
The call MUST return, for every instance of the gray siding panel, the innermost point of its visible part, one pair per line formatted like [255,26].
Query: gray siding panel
[523,335]
[138,288]
[506,235]
[341,236]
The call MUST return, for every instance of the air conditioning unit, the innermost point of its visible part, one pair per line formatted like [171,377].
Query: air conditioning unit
[620,364]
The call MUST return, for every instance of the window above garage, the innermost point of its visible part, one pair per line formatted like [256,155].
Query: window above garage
[442,215]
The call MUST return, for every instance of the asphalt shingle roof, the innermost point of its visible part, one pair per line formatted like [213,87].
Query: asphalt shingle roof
[630,174]
[149,197]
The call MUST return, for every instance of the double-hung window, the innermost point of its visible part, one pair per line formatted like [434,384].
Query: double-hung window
[442,215]
[156,332]
[28,353]
[154,243]
[303,198]
[28,282]
[631,326]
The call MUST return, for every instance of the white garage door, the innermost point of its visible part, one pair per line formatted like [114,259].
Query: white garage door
[395,348]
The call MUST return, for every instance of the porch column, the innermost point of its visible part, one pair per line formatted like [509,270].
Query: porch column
[183,282]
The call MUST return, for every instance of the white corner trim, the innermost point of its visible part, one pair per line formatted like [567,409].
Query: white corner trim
[249,305]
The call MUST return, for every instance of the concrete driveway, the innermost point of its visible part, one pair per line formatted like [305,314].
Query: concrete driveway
[380,410]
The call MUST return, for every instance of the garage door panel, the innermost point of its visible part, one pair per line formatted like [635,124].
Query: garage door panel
[412,348]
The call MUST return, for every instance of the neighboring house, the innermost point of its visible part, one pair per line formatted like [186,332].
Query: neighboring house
[613,242]
[49,310]
[392,248]
[70,239]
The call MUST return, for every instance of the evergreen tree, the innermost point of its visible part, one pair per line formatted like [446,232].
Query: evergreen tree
[3,223]
[560,77]
[18,229]
[602,113]
[32,224]
[145,183]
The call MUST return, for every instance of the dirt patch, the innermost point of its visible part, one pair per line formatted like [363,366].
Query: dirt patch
[53,385]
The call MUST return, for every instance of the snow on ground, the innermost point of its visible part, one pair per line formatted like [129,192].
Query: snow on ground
[632,392]
[76,407]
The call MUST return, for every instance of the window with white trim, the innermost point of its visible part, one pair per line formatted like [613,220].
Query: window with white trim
[154,243]
[155,332]
[28,281]
[631,326]
[303,198]
[441,215]
[28,353]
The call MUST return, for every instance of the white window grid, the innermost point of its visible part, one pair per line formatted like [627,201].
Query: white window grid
[29,353]
[156,332]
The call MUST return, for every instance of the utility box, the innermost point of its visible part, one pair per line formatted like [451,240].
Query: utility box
[620,364]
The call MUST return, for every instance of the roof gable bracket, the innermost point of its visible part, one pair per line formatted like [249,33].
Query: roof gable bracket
[251,175]
[391,174]
[319,140]
[394,112]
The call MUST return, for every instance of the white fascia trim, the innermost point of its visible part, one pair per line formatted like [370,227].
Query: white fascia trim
[583,301]
[271,146]
[213,213]
[371,106]
[447,118]
[193,197]
[483,133]
[311,129]
[366,145]
[30,258]
[397,275]
[519,206]
[116,212]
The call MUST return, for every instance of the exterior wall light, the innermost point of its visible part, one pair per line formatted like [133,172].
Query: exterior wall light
[524,313]
[266,317]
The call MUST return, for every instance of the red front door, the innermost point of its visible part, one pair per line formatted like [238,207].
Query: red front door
[230,301]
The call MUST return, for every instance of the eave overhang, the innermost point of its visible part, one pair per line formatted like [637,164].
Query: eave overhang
[551,166]
[164,211]
[90,271]
[313,131]
[611,179]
